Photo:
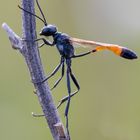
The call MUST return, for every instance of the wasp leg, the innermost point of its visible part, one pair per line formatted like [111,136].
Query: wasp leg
[82,54]
[47,42]
[75,81]
[62,74]
[76,84]
[68,100]
[55,70]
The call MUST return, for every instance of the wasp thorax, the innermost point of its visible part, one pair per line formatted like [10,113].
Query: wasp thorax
[48,30]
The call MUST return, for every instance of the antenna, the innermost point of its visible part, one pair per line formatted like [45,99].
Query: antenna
[32,14]
[45,22]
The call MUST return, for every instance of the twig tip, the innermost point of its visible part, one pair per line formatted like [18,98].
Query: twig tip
[4,25]
[14,38]
[37,115]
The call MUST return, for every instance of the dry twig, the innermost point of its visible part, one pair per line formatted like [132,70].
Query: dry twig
[29,50]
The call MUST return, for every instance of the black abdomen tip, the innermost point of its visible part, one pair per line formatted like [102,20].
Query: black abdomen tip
[128,54]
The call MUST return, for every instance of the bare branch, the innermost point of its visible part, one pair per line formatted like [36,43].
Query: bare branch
[29,50]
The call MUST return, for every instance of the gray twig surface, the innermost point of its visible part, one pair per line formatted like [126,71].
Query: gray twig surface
[29,50]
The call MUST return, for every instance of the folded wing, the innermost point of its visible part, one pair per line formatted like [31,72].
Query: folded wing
[97,46]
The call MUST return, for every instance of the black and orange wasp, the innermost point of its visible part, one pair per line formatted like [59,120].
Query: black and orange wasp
[65,45]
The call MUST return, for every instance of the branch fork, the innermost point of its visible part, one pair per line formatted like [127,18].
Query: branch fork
[30,52]
[15,40]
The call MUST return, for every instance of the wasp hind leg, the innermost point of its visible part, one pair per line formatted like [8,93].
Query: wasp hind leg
[68,101]
[77,86]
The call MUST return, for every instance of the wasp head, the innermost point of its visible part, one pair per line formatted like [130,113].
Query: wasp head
[48,30]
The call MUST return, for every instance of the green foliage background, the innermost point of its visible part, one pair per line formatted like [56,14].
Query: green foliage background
[107,106]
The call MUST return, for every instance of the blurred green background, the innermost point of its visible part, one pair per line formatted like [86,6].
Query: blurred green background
[107,106]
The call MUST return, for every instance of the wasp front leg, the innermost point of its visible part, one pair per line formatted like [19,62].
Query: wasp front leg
[45,42]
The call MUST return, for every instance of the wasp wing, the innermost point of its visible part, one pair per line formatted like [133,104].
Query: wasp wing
[97,46]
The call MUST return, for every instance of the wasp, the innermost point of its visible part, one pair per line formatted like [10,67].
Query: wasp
[66,47]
